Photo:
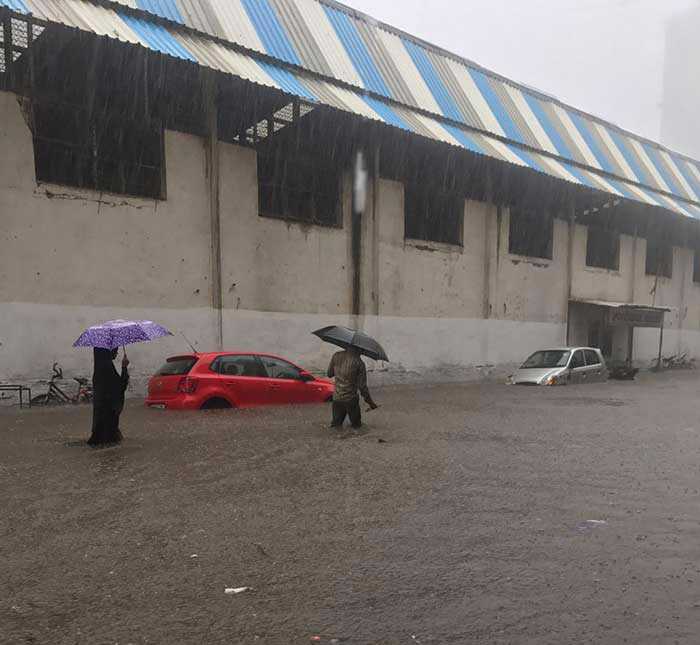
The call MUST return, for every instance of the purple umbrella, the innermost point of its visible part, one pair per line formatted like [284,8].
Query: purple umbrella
[117,333]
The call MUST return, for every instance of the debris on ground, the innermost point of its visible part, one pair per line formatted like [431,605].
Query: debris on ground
[261,549]
[678,362]
[236,590]
[588,525]
[623,372]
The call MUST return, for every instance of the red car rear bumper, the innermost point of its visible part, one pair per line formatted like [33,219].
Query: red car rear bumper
[183,402]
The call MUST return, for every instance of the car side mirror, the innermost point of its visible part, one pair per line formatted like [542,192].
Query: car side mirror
[306,377]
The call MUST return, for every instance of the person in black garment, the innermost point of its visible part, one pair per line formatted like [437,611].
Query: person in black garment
[108,397]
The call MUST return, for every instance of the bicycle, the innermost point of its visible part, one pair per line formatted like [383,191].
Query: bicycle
[56,396]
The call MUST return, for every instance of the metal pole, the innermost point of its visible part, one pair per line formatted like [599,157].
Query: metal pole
[210,90]
[375,218]
[570,267]
[487,303]
[630,344]
[356,253]
[661,344]
[633,272]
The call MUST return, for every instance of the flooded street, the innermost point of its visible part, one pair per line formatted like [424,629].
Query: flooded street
[463,513]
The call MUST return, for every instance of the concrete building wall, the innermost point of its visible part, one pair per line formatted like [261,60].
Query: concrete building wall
[690,309]
[593,283]
[532,289]
[281,280]
[434,298]
[70,258]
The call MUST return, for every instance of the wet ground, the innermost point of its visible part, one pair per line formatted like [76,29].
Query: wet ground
[462,514]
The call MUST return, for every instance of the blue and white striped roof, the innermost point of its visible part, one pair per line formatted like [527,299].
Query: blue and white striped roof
[326,53]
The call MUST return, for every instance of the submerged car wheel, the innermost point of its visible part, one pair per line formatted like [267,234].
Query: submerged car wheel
[216,404]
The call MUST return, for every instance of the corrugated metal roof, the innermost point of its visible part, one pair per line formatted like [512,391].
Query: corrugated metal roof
[412,87]
[337,42]
[16,5]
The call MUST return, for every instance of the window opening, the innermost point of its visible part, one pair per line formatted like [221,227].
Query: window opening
[295,181]
[433,214]
[659,260]
[603,249]
[108,154]
[530,234]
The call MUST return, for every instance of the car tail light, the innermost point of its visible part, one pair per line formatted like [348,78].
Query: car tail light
[187,385]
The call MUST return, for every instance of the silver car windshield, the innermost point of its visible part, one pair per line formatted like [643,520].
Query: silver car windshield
[547,359]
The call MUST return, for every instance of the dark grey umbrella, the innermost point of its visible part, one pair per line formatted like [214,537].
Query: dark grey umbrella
[345,338]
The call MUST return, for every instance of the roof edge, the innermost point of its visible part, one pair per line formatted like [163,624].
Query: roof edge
[115,5]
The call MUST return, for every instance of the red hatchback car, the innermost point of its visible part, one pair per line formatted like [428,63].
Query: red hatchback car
[233,380]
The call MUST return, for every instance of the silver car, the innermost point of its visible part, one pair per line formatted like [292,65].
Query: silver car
[563,366]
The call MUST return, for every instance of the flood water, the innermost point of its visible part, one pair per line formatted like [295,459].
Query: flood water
[462,513]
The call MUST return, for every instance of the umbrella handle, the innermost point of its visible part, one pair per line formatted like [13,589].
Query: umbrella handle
[124,350]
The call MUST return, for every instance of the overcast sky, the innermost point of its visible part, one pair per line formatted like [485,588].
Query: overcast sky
[603,56]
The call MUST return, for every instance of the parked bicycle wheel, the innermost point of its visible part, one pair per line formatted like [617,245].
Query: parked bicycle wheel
[51,398]
[41,399]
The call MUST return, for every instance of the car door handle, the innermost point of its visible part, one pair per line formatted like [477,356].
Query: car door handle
[275,387]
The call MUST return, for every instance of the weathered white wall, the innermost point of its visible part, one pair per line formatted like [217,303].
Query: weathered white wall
[689,340]
[281,280]
[594,283]
[532,289]
[71,258]
[432,297]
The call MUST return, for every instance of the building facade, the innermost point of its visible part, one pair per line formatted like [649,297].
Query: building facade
[231,222]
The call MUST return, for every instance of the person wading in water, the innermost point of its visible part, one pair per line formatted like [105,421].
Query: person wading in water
[108,397]
[350,375]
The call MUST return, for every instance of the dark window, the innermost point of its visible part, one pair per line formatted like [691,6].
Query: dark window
[696,266]
[277,368]
[112,154]
[577,360]
[547,358]
[603,249]
[297,186]
[246,366]
[659,259]
[592,357]
[530,234]
[178,366]
[433,214]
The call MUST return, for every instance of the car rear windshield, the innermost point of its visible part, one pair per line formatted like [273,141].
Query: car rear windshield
[547,358]
[177,366]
